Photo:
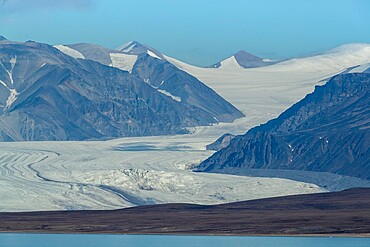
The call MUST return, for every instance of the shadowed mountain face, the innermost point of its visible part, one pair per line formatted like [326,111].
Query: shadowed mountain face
[327,131]
[47,95]
[166,78]
[245,60]
[94,52]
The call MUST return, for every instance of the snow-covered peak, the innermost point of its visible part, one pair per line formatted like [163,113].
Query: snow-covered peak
[344,56]
[229,63]
[136,48]
[121,60]
[242,59]
[2,38]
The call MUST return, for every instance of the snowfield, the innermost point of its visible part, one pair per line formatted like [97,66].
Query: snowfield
[265,92]
[145,170]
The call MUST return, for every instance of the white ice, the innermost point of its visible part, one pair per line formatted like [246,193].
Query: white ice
[152,54]
[122,173]
[69,51]
[123,61]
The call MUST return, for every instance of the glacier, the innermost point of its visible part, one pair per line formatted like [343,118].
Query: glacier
[133,171]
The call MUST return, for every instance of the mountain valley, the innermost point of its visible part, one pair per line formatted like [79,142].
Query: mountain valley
[146,169]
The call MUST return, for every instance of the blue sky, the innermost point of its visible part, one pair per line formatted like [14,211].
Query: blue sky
[200,32]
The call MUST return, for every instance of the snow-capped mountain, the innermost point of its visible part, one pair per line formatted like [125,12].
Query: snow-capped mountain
[109,57]
[140,170]
[48,95]
[159,74]
[327,131]
[342,57]
[267,91]
[242,59]
[136,48]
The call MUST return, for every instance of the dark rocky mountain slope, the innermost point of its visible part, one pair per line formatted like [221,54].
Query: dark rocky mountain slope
[48,95]
[327,131]
[166,78]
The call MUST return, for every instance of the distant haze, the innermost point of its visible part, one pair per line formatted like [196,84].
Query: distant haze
[197,32]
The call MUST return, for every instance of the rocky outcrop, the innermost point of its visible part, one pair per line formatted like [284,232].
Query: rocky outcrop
[221,142]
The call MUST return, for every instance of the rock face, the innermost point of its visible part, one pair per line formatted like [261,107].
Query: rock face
[327,131]
[221,142]
[245,60]
[48,95]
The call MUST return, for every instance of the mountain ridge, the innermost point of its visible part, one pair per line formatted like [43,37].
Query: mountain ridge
[137,48]
[48,95]
[327,131]
[169,80]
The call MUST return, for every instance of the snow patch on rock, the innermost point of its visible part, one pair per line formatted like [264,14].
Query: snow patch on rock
[4,84]
[69,51]
[175,98]
[12,97]
[152,54]
[123,61]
